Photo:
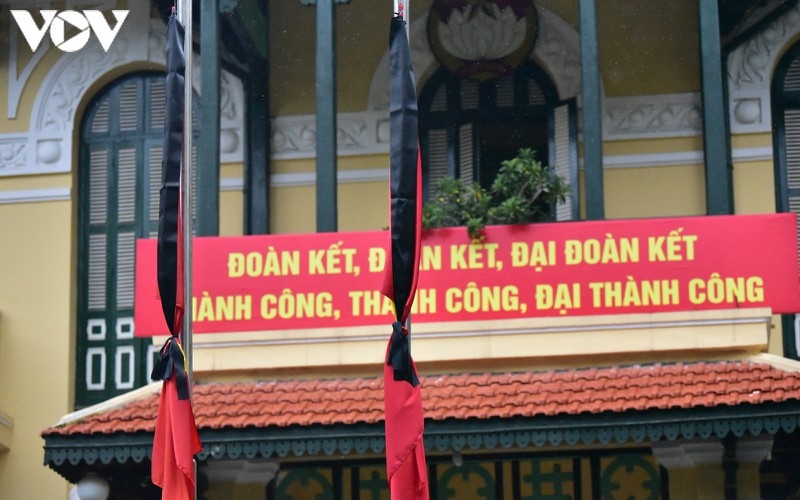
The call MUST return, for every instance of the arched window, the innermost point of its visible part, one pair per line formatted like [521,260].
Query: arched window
[468,128]
[786,144]
[119,176]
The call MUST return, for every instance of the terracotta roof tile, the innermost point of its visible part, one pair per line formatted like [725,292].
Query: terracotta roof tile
[464,396]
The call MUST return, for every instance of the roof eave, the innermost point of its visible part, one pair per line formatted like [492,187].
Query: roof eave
[74,455]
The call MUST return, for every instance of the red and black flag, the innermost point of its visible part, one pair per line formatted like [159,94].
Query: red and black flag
[405,452]
[176,441]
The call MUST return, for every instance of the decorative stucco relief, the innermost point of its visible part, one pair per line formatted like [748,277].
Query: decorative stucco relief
[48,145]
[750,68]
[356,133]
[664,115]
[557,50]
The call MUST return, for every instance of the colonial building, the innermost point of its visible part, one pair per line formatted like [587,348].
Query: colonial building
[678,115]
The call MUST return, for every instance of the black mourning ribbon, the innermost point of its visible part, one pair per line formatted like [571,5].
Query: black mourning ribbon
[170,193]
[399,356]
[170,359]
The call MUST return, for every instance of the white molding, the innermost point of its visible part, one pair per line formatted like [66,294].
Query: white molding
[775,361]
[682,158]
[652,116]
[35,195]
[120,351]
[342,176]
[90,353]
[463,330]
[231,184]
[110,404]
[47,147]
[310,178]
[360,133]
[750,69]
[382,174]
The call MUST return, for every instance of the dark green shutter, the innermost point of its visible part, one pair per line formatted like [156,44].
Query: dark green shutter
[119,178]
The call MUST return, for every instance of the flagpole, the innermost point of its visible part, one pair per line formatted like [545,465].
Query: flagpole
[185,16]
[406,16]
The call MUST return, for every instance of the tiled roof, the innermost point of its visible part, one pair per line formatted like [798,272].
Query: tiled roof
[463,396]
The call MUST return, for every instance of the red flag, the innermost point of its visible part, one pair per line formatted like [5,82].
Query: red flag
[405,452]
[176,440]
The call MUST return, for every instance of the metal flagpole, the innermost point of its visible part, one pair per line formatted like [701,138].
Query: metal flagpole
[185,16]
[406,16]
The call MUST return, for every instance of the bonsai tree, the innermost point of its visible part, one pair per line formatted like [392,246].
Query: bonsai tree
[523,192]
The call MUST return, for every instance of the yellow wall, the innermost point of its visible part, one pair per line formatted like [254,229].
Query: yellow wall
[645,48]
[655,192]
[36,324]
[362,205]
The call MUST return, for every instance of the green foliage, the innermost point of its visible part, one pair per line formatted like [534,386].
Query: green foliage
[522,192]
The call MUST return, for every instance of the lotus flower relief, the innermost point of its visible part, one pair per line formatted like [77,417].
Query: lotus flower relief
[481,38]
[473,35]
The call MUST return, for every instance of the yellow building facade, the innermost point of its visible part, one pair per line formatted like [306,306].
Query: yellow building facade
[61,362]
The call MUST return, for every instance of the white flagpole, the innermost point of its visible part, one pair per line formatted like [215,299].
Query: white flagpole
[397,4]
[185,16]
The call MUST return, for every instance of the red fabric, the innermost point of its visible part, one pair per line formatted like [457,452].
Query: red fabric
[405,453]
[406,469]
[174,445]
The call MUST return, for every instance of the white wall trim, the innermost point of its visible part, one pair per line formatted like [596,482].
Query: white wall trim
[382,174]
[343,177]
[35,195]
[682,158]
[310,178]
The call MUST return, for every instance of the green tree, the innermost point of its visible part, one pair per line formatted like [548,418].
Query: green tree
[523,192]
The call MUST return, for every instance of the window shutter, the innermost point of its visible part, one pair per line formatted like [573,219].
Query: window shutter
[129,106]
[791,120]
[98,186]
[564,156]
[505,92]
[786,142]
[97,272]
[470,95]
[157,104]
[119,180]
[536,95]
[466,154]
[437,158]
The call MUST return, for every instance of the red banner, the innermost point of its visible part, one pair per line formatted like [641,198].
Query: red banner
[332,280]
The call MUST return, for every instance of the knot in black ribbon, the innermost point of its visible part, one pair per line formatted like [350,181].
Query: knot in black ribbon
[399,356]
[170,359]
